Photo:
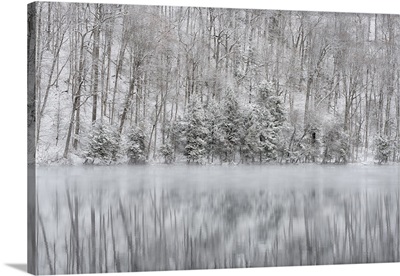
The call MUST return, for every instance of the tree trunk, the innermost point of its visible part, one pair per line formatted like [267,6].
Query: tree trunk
[50,83]
[129,97]
[109,36]
[119,67]
[78,93]
[95,61]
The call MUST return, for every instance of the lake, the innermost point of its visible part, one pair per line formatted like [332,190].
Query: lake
[161,217]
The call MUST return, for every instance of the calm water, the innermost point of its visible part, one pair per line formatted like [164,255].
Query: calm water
[140,218]
[221,177]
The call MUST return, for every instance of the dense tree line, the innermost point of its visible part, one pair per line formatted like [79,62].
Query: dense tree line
[206,85]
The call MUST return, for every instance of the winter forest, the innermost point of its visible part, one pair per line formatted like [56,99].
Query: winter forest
[121,85]
[137,84]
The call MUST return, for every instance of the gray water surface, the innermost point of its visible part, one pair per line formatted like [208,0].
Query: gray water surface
[223,177]
[160,217]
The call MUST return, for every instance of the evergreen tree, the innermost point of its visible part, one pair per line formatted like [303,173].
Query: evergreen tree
[336,144]
[136,150]
[215,137]
[196,134]
[250,137]
[167,152]
[268,137]
[265,90]
[311,140]
[383,149]
[177,131]
[230,127]
[271,115]
[286,144]
[310,146]
[103,144]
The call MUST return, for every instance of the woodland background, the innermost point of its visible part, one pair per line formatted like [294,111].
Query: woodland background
[154,83]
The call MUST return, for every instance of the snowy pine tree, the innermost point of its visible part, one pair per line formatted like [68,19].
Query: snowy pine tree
[103,144]
[250,136]
[268,137]
[196,134]
[177,132]
[230,127]
[311,141]
[215,137]
[270,113]
[167,152]
[136,147]
[383,149]
[336,144]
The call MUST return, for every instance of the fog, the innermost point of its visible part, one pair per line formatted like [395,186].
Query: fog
[160,217]
[221,177]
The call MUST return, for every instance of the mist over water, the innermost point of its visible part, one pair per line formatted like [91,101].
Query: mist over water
[221,177]
[160,217]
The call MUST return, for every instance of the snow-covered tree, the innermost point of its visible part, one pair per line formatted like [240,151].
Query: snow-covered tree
[287,144]
[383,149]
[311,140]
[250,135]
[167,152]
[136,147]
[268,136]
[215,137]
[265,89]
[104,144]
[196,133]
[230,127]
[336,144]
[177,131]
[270,113]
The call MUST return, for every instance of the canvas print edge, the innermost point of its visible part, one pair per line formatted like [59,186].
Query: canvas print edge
[31,140]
